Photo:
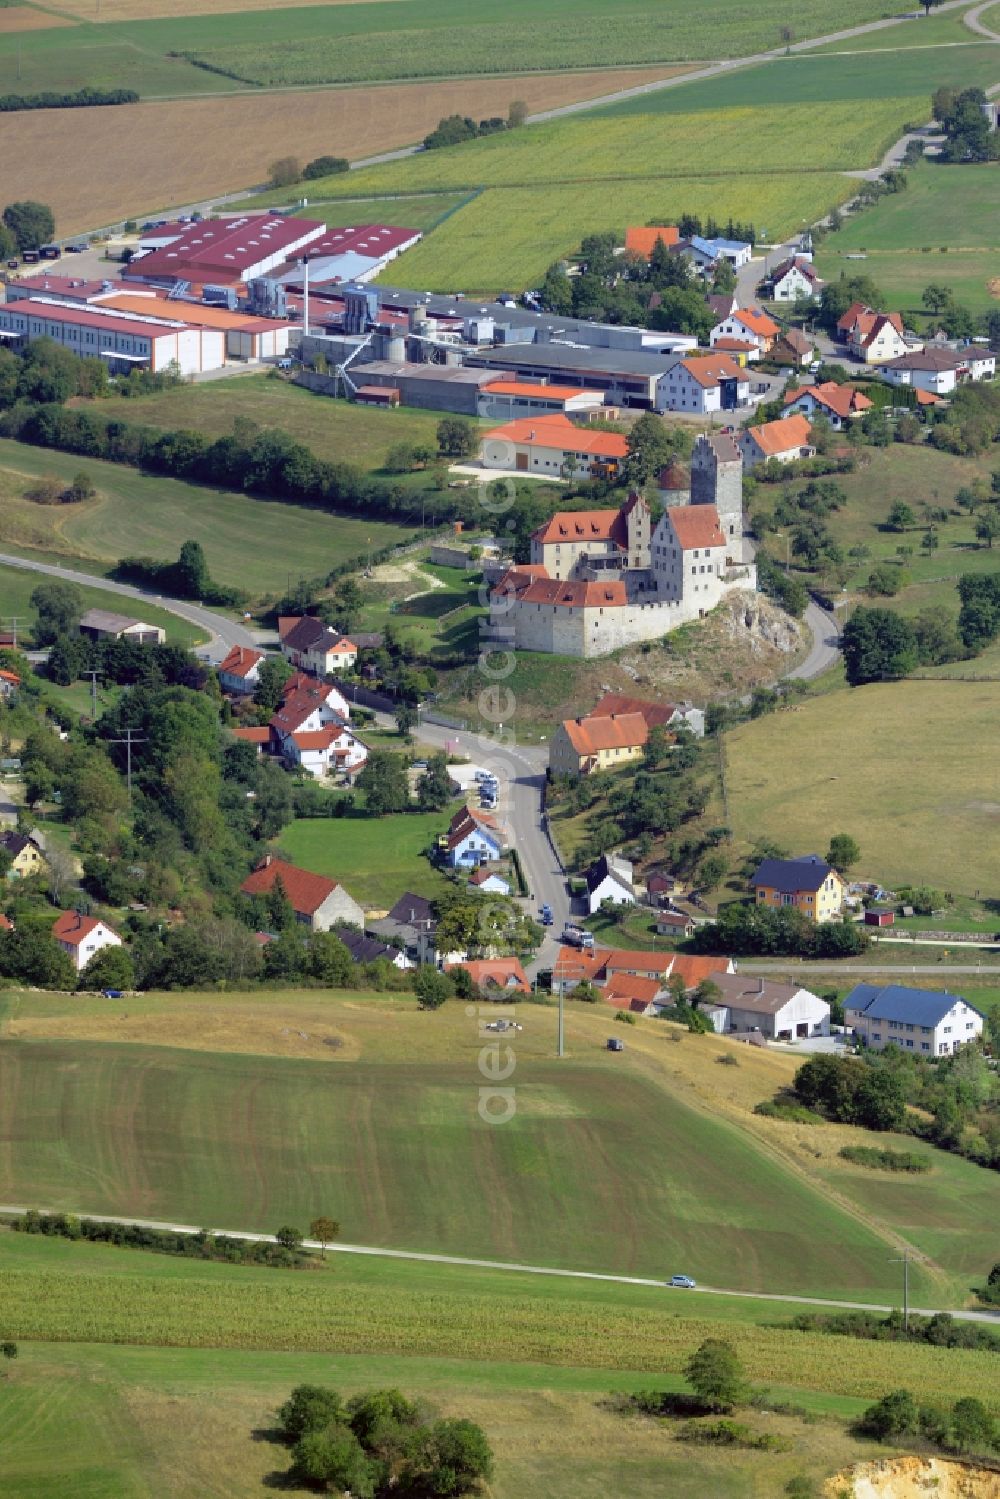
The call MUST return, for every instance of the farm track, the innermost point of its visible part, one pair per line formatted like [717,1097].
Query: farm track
[959,1314]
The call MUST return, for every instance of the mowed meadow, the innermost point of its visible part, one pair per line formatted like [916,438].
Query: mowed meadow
[886,763]
[178,1108]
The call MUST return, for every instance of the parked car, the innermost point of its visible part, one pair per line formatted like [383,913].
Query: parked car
[112,993]
[546,915]
[77,248]
[682,1282]
[614,1044]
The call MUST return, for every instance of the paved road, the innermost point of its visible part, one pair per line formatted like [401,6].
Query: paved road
[224,632]
[972,20]
[886,970]
[476,1264]
[825,650]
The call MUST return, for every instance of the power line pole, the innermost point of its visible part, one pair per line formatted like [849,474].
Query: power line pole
[904,1260]
[128,741]
[13,619]
[93,692]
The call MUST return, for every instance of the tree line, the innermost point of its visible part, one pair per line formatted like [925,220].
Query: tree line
[79,99]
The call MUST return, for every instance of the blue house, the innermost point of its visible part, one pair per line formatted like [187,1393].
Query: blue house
[929,1021]
[473,838]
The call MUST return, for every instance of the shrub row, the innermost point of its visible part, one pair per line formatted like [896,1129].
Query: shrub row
[82,99]
[199,1246]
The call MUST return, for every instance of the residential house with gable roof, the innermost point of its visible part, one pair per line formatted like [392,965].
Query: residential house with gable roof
[938,369]
[583,746]
[609,878]
[25,852]
[872,336]
[782,441]
[809,884]
[793,279]
[473,838]
[319,903]
[840,404]
[642,240]
[312,646]
[759,1006]
[703,383]
[555,446]
[928,1021]
[83,937]
[748,327]
[239,670]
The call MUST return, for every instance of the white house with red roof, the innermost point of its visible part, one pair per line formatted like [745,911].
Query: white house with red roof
[311,729]
[593,543]
[871,336]
[748,326]
[703,383]
[318,903]
[312,645]
[783,441]
[840,404]
[83,937]
[694,562]
[553,446]
[239,671]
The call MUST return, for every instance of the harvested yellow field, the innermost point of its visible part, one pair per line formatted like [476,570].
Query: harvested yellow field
[24,18]
[148,10]
[98,166]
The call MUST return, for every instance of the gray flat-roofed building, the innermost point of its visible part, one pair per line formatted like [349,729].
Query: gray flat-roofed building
[435,387]
[629,377]
[102,624]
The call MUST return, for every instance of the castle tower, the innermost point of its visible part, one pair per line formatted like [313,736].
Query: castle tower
[635,514]
[717,479]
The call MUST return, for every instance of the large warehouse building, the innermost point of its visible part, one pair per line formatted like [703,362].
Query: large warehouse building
[125,340]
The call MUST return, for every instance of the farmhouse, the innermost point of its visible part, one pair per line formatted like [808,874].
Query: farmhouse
[24,853]
[840,404]
[674,924]
[102,624]
[640,996]
[939,370]
[781,1012]
[782,441]
[581,746]
[748,326]
[555,446]
[793,280]
[585,543]
[82,937]
[792,347]
[923,1020]
[610,878]
[311,645]
[318,903]
[239,670]
[808,883]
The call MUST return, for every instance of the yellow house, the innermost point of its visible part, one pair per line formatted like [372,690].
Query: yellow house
[581,746]
[26,856]
[809,884]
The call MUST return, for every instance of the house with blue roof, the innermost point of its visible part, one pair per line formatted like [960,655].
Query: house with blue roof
[809,884]
[929,1021]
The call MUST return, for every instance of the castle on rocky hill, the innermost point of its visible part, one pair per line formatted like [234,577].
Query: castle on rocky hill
[602,579]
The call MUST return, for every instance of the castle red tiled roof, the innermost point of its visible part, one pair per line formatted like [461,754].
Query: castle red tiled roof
[696,526]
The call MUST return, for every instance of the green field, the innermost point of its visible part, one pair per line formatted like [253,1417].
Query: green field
[104,57]
[332,429]
[250,543]
[376,857]
[599,1168]
[544,187]
[816,77]
[950,208]
[935,30]
[17,586]
[907,767]
[438,38]
[420,211]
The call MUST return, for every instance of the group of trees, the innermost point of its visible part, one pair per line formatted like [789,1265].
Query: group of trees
[962,115]
[187,578]
[28,225]
[782,931]
[288,170]
[967,1427]
[380,1443]
[880,645]
[82,98]
[451,130]
[851,1090]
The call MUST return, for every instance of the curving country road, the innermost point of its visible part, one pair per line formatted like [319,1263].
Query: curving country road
[224,633]
[519,1269]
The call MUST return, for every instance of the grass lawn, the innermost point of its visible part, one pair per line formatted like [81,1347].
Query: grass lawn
[17,586]
[252,543]
[332,429]
[901,276]
[377,858]
[921,801]
[417,211]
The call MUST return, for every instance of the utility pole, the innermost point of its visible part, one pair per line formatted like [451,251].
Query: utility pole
[905,1260]
[13,618]
[93,691]
[561,1048]
[128,741]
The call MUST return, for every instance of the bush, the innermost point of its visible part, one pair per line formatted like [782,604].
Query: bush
[308,1408]
[885,1160]
[325,166]
[730,1434]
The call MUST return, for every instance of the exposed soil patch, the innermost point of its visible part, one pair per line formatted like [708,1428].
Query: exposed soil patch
[914,1478]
